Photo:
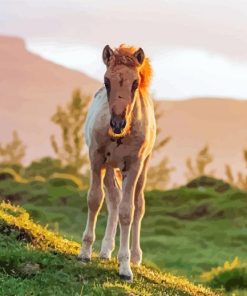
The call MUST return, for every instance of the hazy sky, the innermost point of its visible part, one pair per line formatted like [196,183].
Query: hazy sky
[197,47]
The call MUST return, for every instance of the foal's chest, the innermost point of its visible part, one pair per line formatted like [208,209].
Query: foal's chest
[118,150]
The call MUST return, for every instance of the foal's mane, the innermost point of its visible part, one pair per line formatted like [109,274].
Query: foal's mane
[123,55]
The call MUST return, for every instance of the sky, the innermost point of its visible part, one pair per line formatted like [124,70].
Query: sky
[197,47]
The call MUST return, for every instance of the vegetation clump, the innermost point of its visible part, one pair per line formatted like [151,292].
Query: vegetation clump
[10,174]
[231,276]
[207,181]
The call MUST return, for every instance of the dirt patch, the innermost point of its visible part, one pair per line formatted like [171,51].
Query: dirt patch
[21,234]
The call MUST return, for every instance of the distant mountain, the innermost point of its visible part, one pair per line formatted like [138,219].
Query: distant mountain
[31,88]
[220,123]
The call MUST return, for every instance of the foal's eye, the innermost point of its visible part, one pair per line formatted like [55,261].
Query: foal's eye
[107,84]
[134,85]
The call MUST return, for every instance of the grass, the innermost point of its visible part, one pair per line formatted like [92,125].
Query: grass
[36,261]
[186,231]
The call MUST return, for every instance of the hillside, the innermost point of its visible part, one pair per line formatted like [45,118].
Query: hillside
[35,261]
[183,230]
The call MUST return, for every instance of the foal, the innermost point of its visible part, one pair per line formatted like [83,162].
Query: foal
[120,132]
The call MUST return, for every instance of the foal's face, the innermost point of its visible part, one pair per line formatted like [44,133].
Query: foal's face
[121,82]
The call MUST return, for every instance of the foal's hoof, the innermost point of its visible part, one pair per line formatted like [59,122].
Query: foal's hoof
[84,259]
[105,255]
[126,278]
[105,258]
[125,272]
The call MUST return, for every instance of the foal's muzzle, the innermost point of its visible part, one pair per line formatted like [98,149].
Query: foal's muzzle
[117,124]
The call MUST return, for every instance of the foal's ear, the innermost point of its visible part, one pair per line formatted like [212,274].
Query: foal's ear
[107,53]
[139,55]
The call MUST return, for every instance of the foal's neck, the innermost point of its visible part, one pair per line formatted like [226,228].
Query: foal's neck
[139,107]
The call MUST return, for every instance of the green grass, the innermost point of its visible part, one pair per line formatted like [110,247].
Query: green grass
[25,269]
[186,231]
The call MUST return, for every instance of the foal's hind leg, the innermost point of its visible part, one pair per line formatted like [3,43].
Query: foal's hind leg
[94,200]
[136,252]
[113,197]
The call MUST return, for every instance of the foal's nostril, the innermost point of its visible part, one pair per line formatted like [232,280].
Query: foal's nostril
[123,123]
[112,123]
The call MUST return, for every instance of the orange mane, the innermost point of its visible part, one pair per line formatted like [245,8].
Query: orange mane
[124,55]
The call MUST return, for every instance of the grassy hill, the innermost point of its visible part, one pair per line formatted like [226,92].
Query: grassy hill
[186,231]
[36,261]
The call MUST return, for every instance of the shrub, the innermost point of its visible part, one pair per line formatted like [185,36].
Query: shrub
[199,166]
[9,173]
[13,152]
[207,181]
[43,167]
[231,279]
[70,119]
[230,276]
[61,179]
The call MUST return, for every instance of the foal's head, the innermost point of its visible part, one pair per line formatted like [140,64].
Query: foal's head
[128,71]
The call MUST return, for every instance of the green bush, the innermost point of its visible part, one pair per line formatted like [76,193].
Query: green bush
[10,174]
[6,176]
[60,179]
[230,279]
[206,181]
[43,167]
[16,167]
[230,276]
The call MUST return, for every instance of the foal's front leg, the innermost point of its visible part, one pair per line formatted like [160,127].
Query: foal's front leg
[113,197]
[136,252]
[94,200]
[126,210]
